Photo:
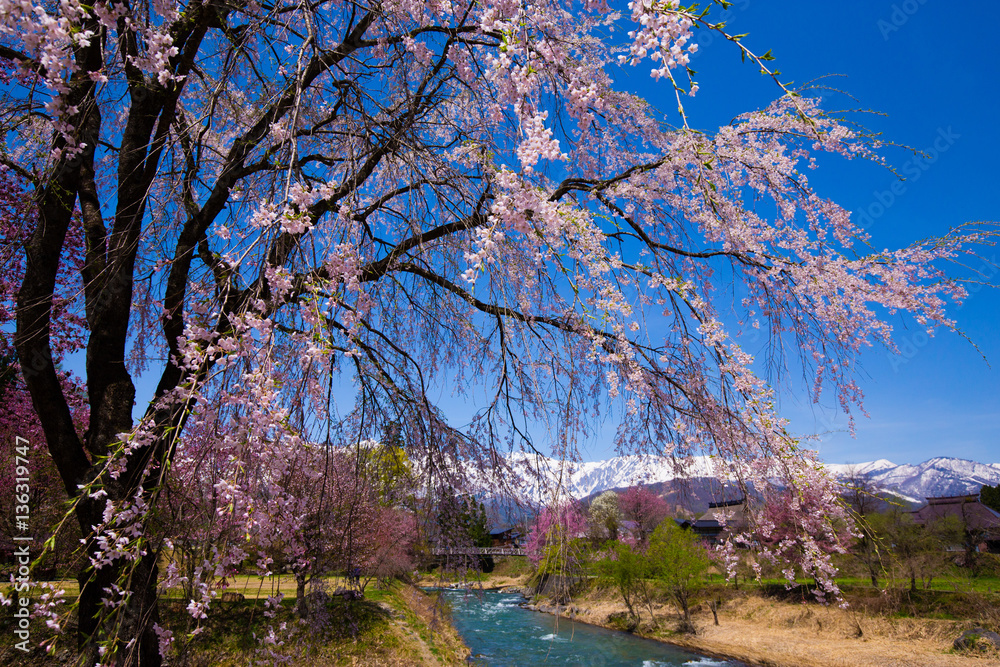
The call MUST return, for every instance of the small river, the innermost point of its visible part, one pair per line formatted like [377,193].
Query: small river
[501,634]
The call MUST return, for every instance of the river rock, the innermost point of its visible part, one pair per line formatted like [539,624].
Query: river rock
[620,620]
[977,637]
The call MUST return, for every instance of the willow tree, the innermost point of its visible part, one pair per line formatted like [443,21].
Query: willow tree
[279,200]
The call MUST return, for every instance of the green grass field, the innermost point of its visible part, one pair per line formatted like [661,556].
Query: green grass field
[391,626]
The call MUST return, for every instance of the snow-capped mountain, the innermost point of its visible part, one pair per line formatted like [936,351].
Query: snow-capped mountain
[942,476]
[866,469]
[624,471]
[540,476]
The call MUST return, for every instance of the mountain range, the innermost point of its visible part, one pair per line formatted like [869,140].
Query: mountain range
[940,476]
[692,482]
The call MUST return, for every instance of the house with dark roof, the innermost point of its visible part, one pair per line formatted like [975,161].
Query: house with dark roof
[982,523]
[721,519]
[505,537]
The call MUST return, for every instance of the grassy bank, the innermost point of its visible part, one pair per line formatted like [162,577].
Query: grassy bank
[507,572]
[397,626]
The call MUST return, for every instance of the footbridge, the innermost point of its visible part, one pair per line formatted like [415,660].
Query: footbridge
[479,551]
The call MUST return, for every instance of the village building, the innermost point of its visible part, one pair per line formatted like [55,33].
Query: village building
[981,523]
[721,519]
[506,537]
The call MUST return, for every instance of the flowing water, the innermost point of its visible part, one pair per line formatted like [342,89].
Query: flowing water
[500,634]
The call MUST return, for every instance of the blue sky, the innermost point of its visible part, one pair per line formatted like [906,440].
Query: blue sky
[933,69]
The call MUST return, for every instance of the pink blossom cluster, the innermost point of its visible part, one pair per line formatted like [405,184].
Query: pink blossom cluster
[538,143]
[665,31]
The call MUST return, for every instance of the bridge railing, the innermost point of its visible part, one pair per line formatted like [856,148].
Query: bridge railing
[479,551]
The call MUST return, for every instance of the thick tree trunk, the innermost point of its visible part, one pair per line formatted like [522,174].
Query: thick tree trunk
[688,626]
[628,605]
[682,598]
[140,614]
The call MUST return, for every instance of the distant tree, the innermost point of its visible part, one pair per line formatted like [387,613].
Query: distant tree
[554,543]
[990,496]
[477,526]
[679,562]
[919,550]
[347,522]
[333,520]
[605,518]
[797,534]
[644,508]
[862,496]
[387,467]
[477,523]
[627,568]
[462,522]
[973,534]
[391,539]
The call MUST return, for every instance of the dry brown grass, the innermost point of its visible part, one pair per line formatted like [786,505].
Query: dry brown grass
[782,634]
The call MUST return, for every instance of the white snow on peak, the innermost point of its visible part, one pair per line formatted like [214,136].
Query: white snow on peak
[581,479]
[940,476]
[842,469]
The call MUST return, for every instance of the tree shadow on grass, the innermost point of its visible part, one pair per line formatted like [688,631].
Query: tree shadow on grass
[238,629]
